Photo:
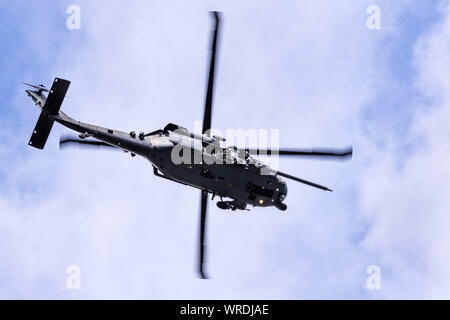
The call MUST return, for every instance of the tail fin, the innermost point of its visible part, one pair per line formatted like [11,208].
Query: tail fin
[51,107]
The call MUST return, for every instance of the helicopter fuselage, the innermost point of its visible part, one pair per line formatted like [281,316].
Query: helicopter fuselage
[236,178]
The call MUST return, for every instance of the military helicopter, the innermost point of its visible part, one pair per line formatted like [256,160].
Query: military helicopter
[225,172]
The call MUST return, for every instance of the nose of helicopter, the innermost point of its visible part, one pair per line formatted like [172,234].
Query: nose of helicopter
[281,195]
[282,186]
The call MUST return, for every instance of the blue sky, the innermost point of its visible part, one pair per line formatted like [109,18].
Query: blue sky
[309,68]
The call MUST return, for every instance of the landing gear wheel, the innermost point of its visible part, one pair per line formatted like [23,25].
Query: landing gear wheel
[281,206]
[223,205]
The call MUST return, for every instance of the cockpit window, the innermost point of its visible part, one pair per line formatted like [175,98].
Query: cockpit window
[259,190]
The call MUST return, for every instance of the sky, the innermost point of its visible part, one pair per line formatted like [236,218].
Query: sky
[312,69]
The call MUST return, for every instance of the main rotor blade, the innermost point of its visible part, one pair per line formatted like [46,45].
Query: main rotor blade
[207,126]
[203,211]
[66,141]
[318,152]
[309,183]
[210,90]
[29,84]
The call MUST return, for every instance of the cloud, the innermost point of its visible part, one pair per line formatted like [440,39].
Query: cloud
[408,204]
